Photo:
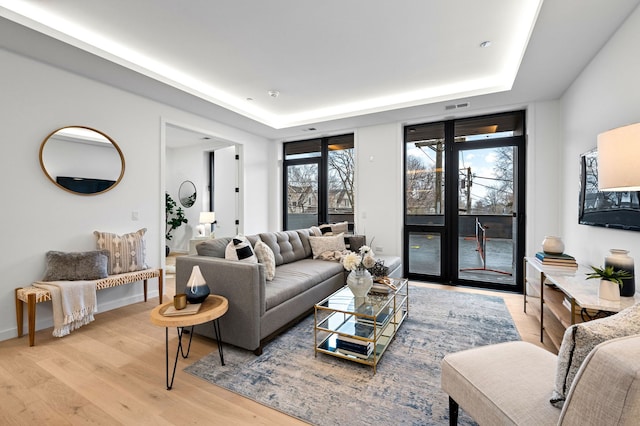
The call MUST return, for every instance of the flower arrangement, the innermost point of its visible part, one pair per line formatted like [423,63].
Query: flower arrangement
[360,261]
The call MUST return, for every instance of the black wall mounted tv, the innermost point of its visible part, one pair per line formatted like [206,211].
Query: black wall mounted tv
[618,210]
[84,185]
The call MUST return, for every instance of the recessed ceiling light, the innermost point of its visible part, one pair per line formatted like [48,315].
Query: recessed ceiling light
[249,99]
[485,44]
[273,93]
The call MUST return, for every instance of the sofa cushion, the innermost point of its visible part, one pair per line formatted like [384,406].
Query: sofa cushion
[580,339]
[127,253]
[239,248]
[213,248]
[287,246]
[329,243]
[294,278]
[90,265]
[266,257]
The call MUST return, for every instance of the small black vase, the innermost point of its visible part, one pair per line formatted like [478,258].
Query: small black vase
[198,293]
[197,289]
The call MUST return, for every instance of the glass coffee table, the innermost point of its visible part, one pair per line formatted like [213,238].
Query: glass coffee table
[360,328]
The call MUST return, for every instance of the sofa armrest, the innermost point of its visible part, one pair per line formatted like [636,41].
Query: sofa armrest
[243,284]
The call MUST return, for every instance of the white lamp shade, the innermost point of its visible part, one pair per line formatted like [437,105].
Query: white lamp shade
[207,217]
[618,154]
[196,278]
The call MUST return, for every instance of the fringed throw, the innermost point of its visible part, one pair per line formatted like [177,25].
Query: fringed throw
[74,303]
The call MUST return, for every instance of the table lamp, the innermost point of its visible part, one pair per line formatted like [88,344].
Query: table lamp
[206,219]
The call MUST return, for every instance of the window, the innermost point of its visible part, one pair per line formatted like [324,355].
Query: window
[318,181]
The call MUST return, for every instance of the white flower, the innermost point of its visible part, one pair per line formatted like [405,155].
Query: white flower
[351,261]
[366,251]
[368,262]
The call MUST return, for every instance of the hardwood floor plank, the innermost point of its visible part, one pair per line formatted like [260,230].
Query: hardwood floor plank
[113,372]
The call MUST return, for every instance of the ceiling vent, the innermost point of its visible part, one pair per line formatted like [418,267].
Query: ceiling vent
[456,106]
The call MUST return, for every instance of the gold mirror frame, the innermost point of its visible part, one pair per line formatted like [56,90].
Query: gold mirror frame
[53,179]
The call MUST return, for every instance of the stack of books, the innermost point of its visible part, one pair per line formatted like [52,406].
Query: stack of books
[355,347]
[556,259]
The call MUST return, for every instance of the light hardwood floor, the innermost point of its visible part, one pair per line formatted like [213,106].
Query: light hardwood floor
[113,372]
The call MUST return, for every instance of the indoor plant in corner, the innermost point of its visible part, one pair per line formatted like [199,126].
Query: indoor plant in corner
[610,281]
[175,218]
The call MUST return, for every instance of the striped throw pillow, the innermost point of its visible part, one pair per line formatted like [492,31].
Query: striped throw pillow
[127,253]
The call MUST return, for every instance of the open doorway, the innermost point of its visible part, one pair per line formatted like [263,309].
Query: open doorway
[209,168]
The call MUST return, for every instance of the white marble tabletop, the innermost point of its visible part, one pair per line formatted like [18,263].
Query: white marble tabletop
[574,283]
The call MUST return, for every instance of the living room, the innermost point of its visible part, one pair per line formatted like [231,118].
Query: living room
[40,95]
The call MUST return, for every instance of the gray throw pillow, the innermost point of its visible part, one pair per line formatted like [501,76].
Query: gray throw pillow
[90,265]
[213,248]
[580,339]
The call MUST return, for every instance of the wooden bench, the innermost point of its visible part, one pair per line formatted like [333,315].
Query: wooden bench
[32,295]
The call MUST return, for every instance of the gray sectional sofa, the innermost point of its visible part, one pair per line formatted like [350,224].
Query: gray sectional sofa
[259,309]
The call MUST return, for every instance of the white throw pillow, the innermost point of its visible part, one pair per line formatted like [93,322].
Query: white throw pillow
[329,243]
[580,339]
[334,228]
[240,249]
[266,257]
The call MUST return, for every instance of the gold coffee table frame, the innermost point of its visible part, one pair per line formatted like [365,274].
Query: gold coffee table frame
[337,315]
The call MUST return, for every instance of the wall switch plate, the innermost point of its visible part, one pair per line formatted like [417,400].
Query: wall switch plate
[134,215]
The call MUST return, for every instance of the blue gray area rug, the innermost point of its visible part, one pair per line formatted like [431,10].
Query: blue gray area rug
[330,391]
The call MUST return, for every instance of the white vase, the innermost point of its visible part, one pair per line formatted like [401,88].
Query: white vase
[552,245]
[359,282]
[609,291]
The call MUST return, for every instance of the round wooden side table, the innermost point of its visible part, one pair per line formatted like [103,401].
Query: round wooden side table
[212,308]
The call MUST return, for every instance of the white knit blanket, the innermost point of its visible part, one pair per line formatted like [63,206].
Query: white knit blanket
[74,303]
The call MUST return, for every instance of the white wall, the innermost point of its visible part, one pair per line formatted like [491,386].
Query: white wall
[37,216]
[225,196]
[379,187]
[606,95]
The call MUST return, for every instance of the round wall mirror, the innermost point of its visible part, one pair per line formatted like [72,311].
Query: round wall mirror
[81,160]
[187,193]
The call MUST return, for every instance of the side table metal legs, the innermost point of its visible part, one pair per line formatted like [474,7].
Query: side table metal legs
[180,349]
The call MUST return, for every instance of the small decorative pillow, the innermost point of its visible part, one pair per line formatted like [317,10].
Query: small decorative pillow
[240,249]
[329,243]
[127,253]
[334,228]
[315,231]
[89,265]
[580,339]
[267,258]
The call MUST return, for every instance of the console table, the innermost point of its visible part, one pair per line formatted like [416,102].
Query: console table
[564,295]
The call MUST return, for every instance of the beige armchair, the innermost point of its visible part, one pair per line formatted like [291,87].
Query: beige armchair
[511,384]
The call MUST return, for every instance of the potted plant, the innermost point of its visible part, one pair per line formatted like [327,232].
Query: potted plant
[175,218]
[610,281]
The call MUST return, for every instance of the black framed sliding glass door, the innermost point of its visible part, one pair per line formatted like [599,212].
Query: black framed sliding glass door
[464,192]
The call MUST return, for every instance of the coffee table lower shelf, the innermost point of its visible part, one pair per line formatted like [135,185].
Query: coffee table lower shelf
[341,320]
[328,345]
